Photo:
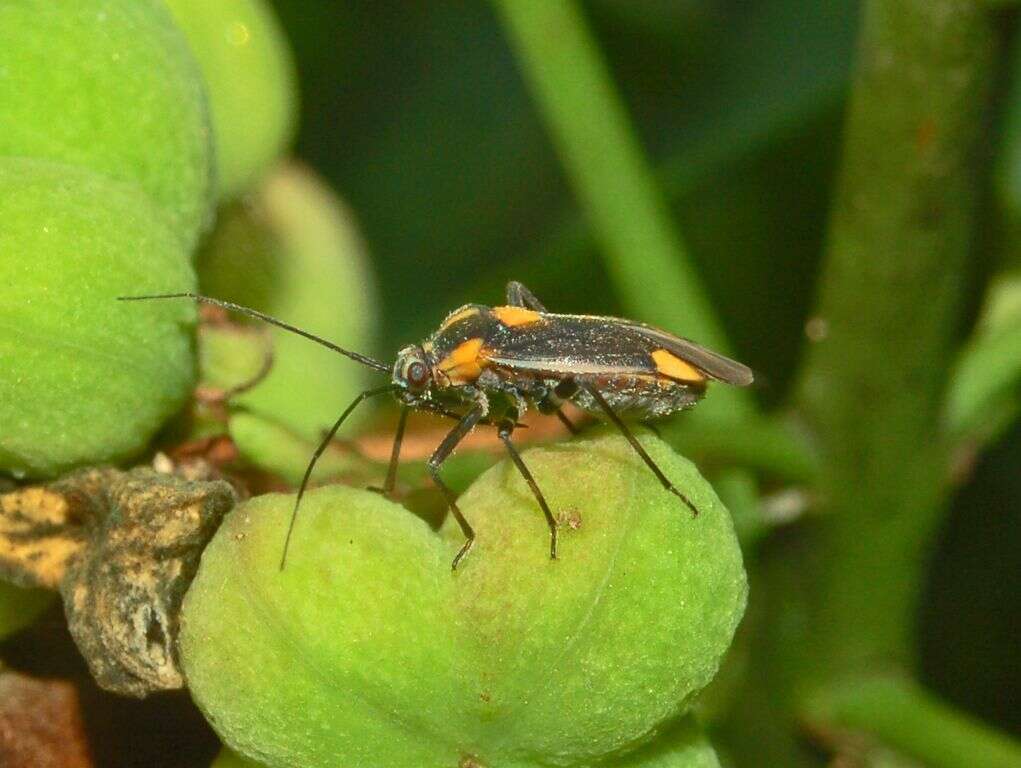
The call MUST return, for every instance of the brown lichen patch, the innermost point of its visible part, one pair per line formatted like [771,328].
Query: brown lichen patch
[41,724]
[470,761]
[122,547]
[41,530]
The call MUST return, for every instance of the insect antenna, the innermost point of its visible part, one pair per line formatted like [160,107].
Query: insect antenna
[319,452]
[357,357]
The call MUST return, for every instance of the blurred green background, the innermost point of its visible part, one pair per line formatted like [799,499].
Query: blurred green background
[452,156]
[419,116]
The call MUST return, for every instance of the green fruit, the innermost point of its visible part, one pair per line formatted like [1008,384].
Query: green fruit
[228,759]
[249,74]
[108,85]
[85,378]
[292,250]
[682,745]
[368,651]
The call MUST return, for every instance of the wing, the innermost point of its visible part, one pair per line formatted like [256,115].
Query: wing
[564,345]
[712,364]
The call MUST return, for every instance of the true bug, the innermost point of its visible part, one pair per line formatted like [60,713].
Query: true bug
[489,364]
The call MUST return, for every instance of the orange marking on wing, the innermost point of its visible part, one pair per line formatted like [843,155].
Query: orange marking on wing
[459,315]
[670,365]
[514,316]
[464,364]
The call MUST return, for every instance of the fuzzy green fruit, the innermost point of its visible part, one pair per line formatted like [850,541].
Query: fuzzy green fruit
[293,250]
[250,78]
[84,378]
[109,85]
[368,651]
[680,746]
[229,759]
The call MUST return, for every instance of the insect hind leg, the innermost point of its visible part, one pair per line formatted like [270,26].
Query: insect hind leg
[629,435]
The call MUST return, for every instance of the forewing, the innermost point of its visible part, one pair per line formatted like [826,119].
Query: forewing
[563,345]
[712,364]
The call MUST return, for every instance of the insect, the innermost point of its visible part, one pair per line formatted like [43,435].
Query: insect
[488,365]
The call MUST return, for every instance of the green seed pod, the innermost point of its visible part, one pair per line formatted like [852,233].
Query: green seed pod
[681,746]
[109,85]
[250,78]
[85,378]
[293,250]
[368,651]
[229,759]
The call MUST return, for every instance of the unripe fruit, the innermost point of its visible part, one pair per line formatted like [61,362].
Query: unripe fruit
[368,651]
[112,86]
[85,379]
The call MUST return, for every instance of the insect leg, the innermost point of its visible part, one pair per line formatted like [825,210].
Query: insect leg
[519,296]
[605,406]
[319,452]
[505,429]
[566,421]
[456,435]
[395,456]
[552,403]
[213,395]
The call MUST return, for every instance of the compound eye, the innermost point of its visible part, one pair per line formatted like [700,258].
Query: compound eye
[417,374]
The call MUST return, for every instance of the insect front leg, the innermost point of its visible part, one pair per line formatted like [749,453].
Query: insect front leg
[315,457]
[504,430]
[519,296]
[456,435]
[623,428]
[395,456]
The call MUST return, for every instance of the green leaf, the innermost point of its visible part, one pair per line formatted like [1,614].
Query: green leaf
[368,651]
[984,389]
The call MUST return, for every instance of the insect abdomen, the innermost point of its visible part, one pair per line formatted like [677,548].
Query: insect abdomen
[639,397]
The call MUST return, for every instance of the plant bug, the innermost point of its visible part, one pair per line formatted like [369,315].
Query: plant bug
[487,365]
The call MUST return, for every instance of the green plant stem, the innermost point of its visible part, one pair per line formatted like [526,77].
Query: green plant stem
[906,717]
[890,294]
[765,444]
[611,175]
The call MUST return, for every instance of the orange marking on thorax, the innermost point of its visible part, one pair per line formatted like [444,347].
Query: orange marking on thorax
[514,316]
[670,365]
[464,364]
